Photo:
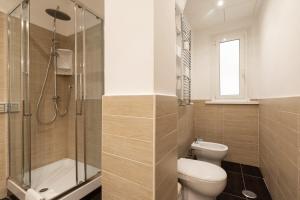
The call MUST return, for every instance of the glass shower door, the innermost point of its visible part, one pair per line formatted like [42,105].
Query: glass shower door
[89,79]
[93,91]
[19,99]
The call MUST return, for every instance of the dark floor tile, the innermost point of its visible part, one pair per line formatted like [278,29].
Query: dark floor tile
[11,197]
[95,195]
[225,196]
[251,170]
[231,166]
[258,186]
[234,184]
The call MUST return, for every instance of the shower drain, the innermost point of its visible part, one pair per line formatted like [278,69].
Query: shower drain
[249,194]
[43,190]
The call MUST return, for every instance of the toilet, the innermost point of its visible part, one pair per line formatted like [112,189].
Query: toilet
[200,180]
[209,151]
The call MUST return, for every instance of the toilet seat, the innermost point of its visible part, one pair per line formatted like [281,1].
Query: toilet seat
[197,170]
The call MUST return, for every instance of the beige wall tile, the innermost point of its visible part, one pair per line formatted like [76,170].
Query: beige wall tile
[165,105]
[128,134]
[241,131]
[245,153]
[137,106]
[279,142]
[166,167]
[165,125]
[120,187]
[166,148]
[165,145]
[168,189]
[131,127]
[48,142]
[136,172]
[234,125]
[108,196]
[144,144]
[185,129]
[137,150]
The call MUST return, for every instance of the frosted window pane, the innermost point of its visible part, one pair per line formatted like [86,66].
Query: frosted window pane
[230,68]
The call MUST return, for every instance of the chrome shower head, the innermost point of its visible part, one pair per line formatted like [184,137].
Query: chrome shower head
[55,13]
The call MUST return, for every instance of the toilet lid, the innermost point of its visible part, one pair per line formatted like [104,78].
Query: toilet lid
[200,170]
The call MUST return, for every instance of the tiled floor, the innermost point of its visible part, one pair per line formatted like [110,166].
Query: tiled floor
[240,177]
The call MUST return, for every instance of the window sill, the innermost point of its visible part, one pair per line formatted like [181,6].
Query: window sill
[232,102]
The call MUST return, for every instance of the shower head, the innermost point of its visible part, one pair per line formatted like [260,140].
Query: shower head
[58,14]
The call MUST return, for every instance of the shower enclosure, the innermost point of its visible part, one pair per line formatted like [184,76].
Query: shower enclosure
[56,83]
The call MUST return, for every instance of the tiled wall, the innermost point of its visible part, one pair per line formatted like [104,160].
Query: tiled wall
[48,142]
[139,134]
[165,147]
[280,146]
[53,142]
[128,126]
[233,125]
[15,117]
[185,135]
[94,91]
[3,98]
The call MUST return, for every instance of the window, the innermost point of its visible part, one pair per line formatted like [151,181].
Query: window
[230,76]
[230,68]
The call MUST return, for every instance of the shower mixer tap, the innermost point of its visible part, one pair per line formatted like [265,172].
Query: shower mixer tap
[57,15]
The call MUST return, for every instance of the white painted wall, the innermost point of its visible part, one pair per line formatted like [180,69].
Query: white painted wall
[278,42]
[203,51]
[273,68]
[129,50]
[140,47]
[164,47]
[201,65]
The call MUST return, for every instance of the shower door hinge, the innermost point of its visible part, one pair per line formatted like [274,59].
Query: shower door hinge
[4,107]
[9,107]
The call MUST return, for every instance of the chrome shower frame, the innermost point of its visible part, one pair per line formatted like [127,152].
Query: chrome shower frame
[90,183]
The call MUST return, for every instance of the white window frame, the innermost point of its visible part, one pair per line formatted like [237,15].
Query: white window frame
[242,37]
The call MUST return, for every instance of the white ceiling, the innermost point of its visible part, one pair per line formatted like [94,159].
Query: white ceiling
[97,6]
[40,18]
[7,5]
[205,13]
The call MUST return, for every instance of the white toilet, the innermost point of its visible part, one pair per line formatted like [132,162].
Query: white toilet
[200,180]
[209,151]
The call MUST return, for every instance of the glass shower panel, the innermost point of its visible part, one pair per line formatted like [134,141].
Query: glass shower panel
[93,91]
[52,97]
[79,85]
[19,101]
